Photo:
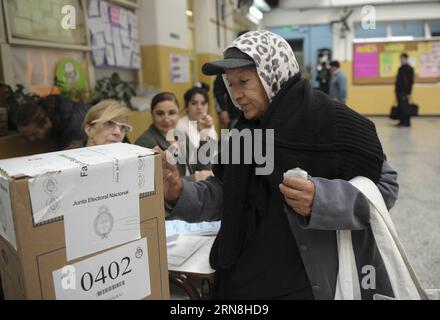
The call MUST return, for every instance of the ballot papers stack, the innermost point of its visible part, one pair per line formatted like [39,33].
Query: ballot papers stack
[195,229]
[185,239]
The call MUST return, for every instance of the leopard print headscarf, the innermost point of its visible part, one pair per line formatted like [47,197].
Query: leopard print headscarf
[273,57]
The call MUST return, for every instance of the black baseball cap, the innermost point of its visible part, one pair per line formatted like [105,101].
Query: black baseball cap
[232,58]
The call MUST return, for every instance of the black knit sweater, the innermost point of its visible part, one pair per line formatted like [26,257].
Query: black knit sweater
[255,249]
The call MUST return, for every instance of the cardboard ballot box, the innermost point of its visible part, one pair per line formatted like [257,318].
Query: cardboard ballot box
[83,224]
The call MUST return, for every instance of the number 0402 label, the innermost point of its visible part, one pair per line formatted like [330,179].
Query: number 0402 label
[122,273]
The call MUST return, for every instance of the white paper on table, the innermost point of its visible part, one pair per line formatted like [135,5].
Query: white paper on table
[184,248]
[198,262]
[198,229]
[126,271]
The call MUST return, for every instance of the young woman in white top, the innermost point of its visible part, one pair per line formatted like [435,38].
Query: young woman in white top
[197,124]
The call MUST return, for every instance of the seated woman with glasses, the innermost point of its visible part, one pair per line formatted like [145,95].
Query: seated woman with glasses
[106,122]
[163,133]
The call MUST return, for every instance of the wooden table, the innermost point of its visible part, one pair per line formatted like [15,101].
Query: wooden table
[197,267]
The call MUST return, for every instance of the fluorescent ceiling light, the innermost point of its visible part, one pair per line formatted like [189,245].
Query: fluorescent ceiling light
[256,13]
[387,39]
[402,38]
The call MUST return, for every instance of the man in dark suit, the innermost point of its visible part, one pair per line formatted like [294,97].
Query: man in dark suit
[404,83]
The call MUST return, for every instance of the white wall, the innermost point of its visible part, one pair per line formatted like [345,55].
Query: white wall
[306,4]
[283,17]
[206,31]
[342,48]
[159,19]
[148,23]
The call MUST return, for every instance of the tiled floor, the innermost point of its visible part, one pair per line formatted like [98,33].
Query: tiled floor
[415,154]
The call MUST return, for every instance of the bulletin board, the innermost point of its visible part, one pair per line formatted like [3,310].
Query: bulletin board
[38,22]
[114,34]
[378,63]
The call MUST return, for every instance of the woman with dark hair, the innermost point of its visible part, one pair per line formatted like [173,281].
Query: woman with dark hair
[197,124]
[162,133]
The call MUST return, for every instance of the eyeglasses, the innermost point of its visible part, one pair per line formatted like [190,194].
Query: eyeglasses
[112,124]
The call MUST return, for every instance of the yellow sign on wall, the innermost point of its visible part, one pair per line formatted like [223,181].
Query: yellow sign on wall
[424,47]
[399,47]
[389,64]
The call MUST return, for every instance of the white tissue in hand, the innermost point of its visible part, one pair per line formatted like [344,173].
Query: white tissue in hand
[297,173]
